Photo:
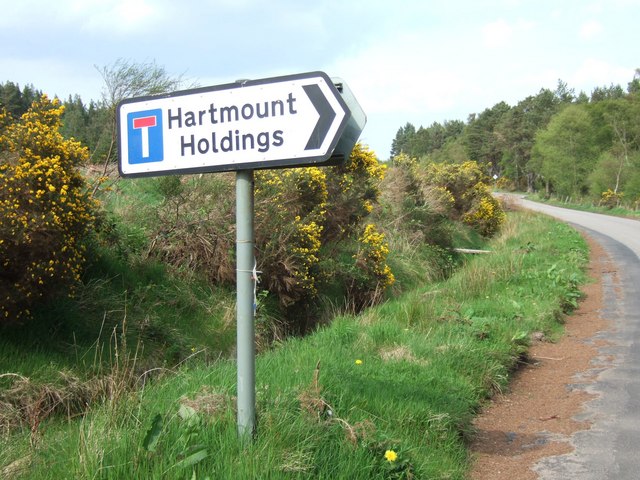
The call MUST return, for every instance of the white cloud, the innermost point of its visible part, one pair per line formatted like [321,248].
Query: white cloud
[593,72]
[500,33]
[496,34]
[119,16]
[134,12]
[27,12]
[393,76]
[97,16]
[590,29]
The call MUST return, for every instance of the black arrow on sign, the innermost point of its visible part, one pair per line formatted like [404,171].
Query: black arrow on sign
[327,115]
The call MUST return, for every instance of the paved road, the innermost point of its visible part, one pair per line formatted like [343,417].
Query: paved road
[611,448]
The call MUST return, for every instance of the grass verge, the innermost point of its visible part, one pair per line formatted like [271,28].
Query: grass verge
[387,394]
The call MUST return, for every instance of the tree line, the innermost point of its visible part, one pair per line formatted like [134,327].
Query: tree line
[555,142]
[94,123]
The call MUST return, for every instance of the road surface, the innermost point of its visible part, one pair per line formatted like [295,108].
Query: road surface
[610,449]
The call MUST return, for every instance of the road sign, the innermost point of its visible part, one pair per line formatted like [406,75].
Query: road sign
[356,121]
[290,121]
[287,121]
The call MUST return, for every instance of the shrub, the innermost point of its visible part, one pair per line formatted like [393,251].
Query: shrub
[290,211]
[192,226]
[505,183]
[611,199]
[457,179]
[486,215]
[44,209]
[353,189]
[300,212]
[413,206]
[371,260]
[472,201]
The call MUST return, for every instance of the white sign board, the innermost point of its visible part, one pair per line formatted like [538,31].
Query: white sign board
[285,121]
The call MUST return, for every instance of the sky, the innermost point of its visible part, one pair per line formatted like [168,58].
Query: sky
[417,61]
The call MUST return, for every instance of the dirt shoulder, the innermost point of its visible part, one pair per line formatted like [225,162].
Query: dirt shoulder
[536,417]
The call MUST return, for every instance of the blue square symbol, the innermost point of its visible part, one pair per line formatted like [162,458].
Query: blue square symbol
[145,136]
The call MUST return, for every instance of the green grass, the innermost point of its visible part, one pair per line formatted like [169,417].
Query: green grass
[170,317]
[428,361]
[127,296]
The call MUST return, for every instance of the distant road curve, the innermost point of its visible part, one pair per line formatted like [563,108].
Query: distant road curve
[623,230]
[610,448]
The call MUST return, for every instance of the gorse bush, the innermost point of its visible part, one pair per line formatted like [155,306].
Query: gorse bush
[471,197]
[303,213]
[414,206]
[611,199]
[373,275]
[485,214]
[353,190]
[505,183]
[44,210]
[290,208]
[301,216]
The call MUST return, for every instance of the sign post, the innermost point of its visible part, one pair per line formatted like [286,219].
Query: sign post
[290,121]
[245,278]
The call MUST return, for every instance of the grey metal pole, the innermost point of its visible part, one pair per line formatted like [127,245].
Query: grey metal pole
[246,352]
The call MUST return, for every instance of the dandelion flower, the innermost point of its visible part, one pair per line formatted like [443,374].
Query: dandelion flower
[391,456]
[358,362]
